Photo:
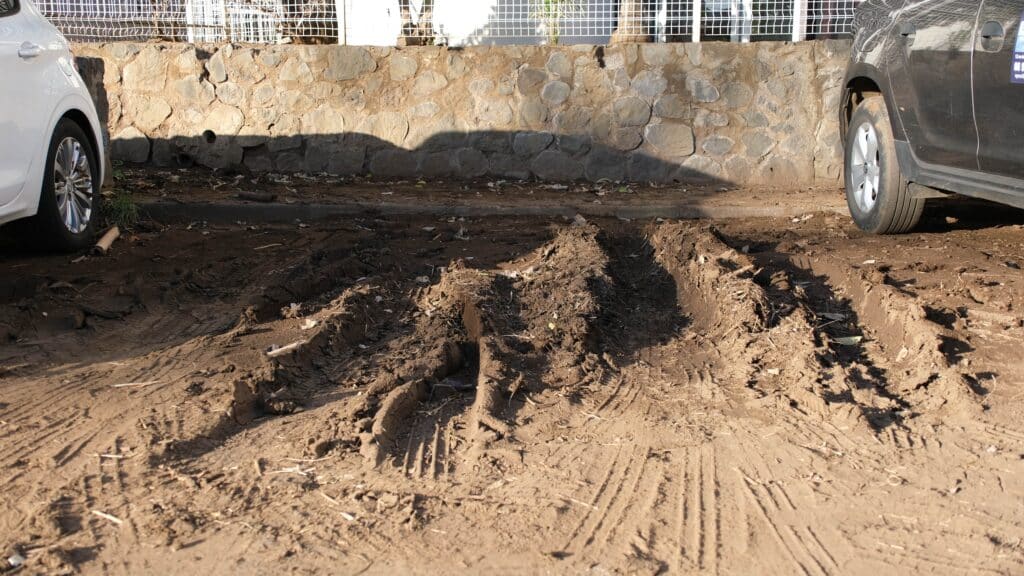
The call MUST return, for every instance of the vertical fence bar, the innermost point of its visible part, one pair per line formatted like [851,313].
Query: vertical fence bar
[340,13]
[799,20]
[697,9]
[661,22]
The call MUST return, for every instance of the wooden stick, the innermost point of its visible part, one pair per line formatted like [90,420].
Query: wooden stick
[134,384]
[109,517]
[106,240]
[285,349]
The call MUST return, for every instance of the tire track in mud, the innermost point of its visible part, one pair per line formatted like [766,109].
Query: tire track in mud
[503,334]
[896,375]
[637,347]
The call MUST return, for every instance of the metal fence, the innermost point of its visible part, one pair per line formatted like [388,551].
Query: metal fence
[454,22]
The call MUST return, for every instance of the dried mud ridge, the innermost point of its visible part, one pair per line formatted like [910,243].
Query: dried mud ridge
[474,344]
[591,375]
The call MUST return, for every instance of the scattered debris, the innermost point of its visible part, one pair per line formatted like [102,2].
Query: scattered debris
[109,517]
[103,245]
[276,351]
[263,197]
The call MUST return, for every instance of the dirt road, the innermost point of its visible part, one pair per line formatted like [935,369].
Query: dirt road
[427,395]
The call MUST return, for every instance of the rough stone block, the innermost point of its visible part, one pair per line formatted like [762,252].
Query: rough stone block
[605,164]
[530,81]
[428,82]
[560,65]
[758,144]
[718,145]
[147,73]
[671,140]
[403,67]
[631,111]
[130,145]
[670,106]
[333,157]
[215,67]
[643,167]
[702,89]
[394,163]
[348,63]
[556,166]
[508,166]
[533,113]
[437,165]
[555,93]
[650,84]
[532,143]
[470,163]
[231,94]
[491,141]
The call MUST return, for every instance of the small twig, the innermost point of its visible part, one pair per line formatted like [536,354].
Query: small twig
[276,244]
[285,349]
[259,468]
[109,517]
[580,502]
[294,470]
[307,460]
[134,384]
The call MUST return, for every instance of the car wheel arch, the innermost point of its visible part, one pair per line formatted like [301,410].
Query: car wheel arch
[863,80]
[79,117]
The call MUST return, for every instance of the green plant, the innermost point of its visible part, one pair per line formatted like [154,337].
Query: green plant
[120,209]
[551,13]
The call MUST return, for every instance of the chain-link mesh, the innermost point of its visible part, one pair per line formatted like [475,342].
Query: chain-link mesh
[455,22]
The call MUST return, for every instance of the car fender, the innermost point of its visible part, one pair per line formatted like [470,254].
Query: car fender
[76,102]
[865,70]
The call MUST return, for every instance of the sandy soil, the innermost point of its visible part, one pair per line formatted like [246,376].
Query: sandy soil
[425,395]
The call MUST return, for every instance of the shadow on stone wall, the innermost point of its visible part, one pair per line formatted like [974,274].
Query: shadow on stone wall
[519,155]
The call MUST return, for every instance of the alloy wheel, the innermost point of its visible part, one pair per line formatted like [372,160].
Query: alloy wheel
[72,184]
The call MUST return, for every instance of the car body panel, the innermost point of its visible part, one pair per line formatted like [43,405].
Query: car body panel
[930,77]
[877,52]
[999,102]
[41,91]
[873,24]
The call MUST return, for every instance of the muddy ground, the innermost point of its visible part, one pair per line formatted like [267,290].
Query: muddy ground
[512,395]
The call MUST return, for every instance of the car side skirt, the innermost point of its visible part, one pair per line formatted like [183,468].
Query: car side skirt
[1001,189]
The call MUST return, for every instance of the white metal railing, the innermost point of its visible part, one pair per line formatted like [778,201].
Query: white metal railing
[456,22]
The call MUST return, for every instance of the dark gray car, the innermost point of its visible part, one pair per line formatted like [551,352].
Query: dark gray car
[934,102]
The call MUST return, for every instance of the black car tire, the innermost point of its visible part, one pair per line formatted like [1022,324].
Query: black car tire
[876,192]
[48,224]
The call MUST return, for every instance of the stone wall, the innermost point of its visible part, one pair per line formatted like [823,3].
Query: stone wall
[740,113]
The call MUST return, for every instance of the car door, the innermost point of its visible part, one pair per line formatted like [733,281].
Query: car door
[25,99]
[930,75]
[999,87]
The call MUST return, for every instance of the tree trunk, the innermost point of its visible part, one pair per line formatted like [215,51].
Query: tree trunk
[421,32]
[632,23]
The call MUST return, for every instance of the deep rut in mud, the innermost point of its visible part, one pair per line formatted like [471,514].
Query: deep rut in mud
[639,398]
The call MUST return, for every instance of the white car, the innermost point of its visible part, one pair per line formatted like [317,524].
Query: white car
[51,152]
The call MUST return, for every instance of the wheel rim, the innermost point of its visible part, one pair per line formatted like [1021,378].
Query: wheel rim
[865,167]
[72,184]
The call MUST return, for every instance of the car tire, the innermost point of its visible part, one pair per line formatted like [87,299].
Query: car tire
[876,192]
[68,207]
